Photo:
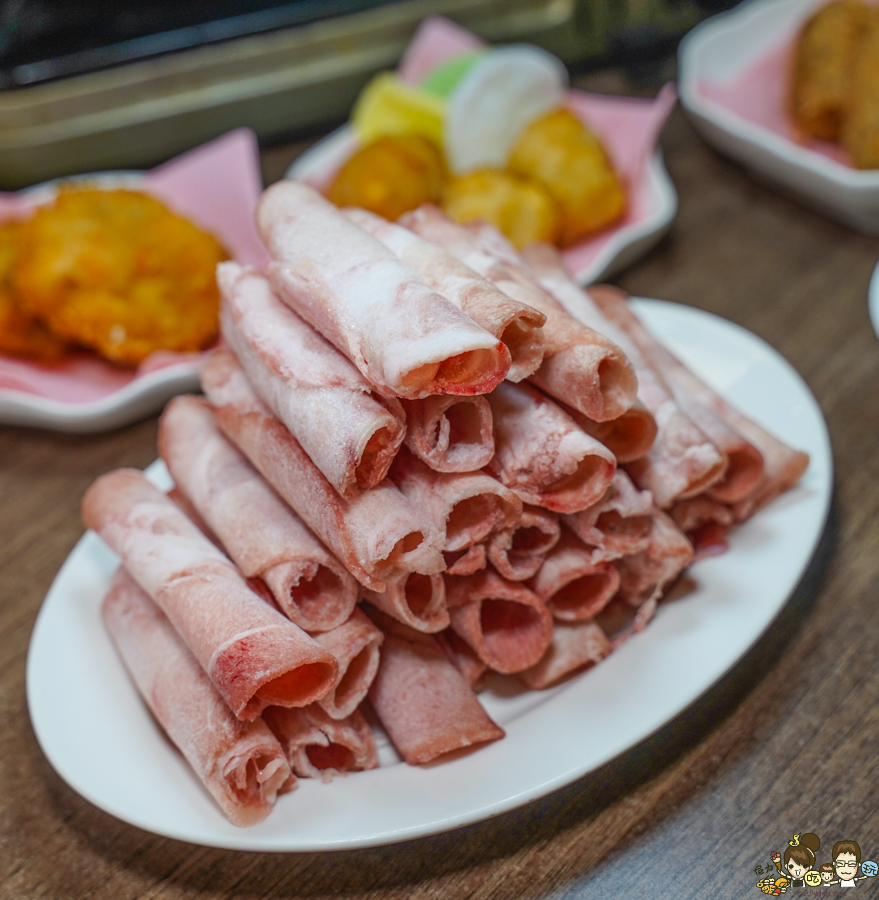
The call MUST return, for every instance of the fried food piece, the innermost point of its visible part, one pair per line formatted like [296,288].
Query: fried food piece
[860,131]
[119,272]
[522,209]
[394,174]
[561,153]
[823,67]
[21,334]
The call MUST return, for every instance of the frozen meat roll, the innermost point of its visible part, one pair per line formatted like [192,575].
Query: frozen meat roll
[542,454]
[240,763]
[405,338]
[350,431]
[424,703]
[253,655]
[260,533]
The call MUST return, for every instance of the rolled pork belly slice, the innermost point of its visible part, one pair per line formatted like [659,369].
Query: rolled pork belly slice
[253,654]
[580,366]
[450,433]
[645,575]
[418,601]
[319,746]
[574,647]
[571,584]
[542,454]
[466,506]
[423,702]
[717,419]
[682,461]
[259,532]
[348,429]
[620,522]
[406,339]
[629,436]
[378,535]
[507,625]
[783,467]
[518,552]
[463,657]
[518,325]
[619,620]
[355,646]
[706,523]
[241,764]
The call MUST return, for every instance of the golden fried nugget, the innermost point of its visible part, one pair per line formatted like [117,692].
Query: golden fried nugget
[21,334]
[119,272]
[561,153]
[823,67]
[522,209]
[860,130]
[394,174]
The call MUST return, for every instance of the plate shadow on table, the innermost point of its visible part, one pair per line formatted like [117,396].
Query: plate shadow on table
[568,816]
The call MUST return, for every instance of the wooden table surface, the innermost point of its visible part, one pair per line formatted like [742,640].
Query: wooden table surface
[786,743]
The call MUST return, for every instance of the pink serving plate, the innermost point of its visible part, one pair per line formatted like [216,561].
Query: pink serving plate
[629,128]
[734,71]
[217,186]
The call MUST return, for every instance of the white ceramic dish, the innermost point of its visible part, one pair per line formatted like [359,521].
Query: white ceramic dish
[873,300]
[614,249]
[99,737]
[744,47]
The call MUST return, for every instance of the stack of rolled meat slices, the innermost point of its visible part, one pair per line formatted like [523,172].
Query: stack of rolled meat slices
[421,458]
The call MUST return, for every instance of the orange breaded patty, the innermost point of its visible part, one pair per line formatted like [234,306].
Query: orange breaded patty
[21,334]
[119,272]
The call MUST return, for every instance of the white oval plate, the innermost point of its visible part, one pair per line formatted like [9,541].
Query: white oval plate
[721,51]
[101,740]
[606,253]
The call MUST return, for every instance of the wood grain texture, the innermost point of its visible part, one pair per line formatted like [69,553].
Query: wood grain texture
[785,743]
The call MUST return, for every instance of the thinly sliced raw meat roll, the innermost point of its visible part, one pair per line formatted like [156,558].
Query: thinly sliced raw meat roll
[629,436]
[580,366]
[405,338]
[449,433]
[542,454]
[463,657]
[350,431]
[783,468]
[706,523]
[355,645]
[518,325]
[240,763]
[645,575]
[518,552]
[253,654]
[467,506]
[259,532]
[574,646]
[506,624]
[318,746]
[424,703]
[571,584]
[682,461]
[418,601]
[620,523]
[619,620]
[377,535]
[704,406]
